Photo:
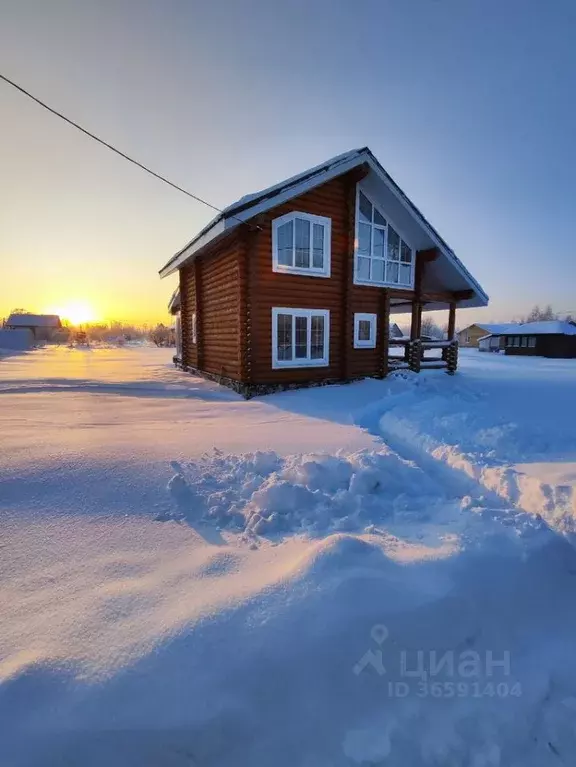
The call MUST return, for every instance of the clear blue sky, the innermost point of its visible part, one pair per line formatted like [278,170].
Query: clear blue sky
[469,104]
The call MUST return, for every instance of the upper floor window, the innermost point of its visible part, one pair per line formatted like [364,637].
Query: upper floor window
[382,257]
[301,244]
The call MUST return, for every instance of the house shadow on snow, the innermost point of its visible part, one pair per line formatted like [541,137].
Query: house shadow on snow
[281,677]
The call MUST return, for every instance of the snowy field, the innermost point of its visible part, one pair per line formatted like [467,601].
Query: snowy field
[374,574]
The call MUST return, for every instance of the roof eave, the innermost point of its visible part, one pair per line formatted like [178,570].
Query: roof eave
[215,229]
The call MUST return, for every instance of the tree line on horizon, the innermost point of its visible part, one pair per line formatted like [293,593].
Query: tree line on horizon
[111,331]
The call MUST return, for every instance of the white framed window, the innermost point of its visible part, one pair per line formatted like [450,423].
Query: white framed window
[301,244]
[194,329]
[532,342]
[516,341]
[381,255]
[524,342]
[300,337]
[365,331]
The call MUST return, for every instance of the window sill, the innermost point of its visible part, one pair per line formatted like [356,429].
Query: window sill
[300,271]
[291,364]
[364,345]
[372,284]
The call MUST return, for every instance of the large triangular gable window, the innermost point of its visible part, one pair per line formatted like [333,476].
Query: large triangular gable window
[382,257]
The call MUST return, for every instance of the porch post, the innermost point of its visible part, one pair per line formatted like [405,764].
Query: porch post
[416,322]
[451,321]
[384,334]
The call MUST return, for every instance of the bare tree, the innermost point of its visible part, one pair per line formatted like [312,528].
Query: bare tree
[540,315]
[430,328]
[161,335]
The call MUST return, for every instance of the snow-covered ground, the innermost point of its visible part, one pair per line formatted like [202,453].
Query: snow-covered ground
[373,574]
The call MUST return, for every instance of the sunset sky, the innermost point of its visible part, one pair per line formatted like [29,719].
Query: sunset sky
[469,105]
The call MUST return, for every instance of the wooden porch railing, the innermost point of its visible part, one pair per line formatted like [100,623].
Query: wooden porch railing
[415,355]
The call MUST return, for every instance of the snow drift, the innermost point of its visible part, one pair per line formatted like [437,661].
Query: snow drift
[396,602]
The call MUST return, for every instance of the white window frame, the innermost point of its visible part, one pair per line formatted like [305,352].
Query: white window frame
[531,342]
[307,362]
[194,329]
[373,320]
[383,283]
[311,271]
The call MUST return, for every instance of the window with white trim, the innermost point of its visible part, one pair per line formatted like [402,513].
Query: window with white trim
[516,341]
[532,342]
[381,256]
[300,337]
[301,244]
[364,331]
[194,329]
[525,342]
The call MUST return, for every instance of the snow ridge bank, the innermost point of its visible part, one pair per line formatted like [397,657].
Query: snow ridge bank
[459,432]
[263,493]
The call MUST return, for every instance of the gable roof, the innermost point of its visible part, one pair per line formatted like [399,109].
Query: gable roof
[545,328]
[34,320]
[252,204]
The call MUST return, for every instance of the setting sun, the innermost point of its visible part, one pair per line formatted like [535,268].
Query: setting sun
[76,312]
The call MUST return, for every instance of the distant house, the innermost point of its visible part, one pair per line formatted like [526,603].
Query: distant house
[19,339]
[470,336]
[552,338]
[43,326]
[395,331]
[297,284]
[490,343]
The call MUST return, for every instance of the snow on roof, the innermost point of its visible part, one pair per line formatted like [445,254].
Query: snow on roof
[497,328]
[546,327]
[250,199]
[253,204]
[34,320]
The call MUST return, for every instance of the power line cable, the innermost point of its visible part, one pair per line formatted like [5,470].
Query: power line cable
[113,148]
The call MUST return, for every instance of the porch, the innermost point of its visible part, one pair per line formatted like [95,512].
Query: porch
[417,352]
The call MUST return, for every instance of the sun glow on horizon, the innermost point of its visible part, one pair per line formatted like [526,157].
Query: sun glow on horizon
[76,312]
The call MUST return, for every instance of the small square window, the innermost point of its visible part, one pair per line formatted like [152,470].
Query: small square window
[365,331]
